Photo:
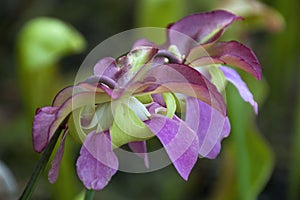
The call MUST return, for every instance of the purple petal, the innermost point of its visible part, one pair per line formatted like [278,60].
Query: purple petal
[158,98]
[178,78]
[233,77]
[204,28]
[106,67]
[237,55]
[97,162]
[54,170]
[152,107]
[180,142]
[140,149]
[43,119]
[67,93]
[209,124]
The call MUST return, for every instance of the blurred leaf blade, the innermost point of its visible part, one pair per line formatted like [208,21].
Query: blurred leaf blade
[158,13]
[250,157]
[294,186]
[41,43]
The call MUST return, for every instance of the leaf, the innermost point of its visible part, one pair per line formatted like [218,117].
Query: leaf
[295,161]
[41,43]
[251,158]
[157,13]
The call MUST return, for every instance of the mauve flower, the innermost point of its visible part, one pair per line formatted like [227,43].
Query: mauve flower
[134,98]
[193,41]
[115,107]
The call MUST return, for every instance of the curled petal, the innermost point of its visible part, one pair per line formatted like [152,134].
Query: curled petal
[136,61]
[203,28]
[233,77]
[106,67]
[66,93]
[158,98]
[97,162]
[76,101]
[140,149]
[180,142]
[54,170]
[43,119]
[236,54]
[209,124]
[178,78]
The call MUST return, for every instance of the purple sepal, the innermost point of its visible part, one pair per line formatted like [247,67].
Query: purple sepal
[236,54]
[209,124]
[106,67]
[54,170]
[140,149]
[43,119]
[97,162]
[233,77]
[201,28]
[180,142]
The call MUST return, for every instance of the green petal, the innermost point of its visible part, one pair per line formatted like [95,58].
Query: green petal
[170,103]
[127,127]
[217,78]
[140,56]
[145,99]
[74,125]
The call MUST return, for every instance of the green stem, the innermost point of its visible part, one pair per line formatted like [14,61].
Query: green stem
[39,169]
[89,194]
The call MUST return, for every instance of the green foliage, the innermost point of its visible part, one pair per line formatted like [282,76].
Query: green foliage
[41,43]
[294,191]
[250,157]
[158,13]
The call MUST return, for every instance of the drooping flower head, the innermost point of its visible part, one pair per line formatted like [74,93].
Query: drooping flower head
[169,92]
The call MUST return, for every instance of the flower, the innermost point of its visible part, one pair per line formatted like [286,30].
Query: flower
[136,97]
[193,41]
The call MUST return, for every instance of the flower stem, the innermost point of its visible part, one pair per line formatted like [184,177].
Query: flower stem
[40,167]
[89,194]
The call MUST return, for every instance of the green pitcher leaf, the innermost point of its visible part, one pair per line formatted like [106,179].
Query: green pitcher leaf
[41,43]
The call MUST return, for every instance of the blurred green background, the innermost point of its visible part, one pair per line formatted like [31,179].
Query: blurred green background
[43,43]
